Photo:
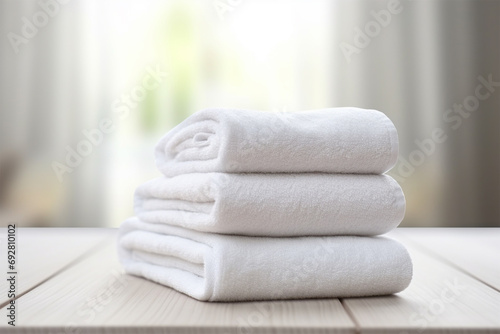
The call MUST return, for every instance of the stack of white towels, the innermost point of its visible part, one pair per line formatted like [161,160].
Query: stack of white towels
[257,206]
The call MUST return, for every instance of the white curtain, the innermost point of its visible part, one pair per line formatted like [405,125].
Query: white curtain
[426,60]
[417,66]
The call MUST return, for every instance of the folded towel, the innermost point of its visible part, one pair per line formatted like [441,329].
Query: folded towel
[274,204]
[338,140]
[214,267]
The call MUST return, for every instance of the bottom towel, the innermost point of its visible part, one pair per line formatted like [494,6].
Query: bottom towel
[213,267]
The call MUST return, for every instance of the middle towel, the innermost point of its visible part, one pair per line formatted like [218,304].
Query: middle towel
[274,204]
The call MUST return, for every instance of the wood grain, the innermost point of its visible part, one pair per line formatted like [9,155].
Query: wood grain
[474,250]
[91,294]
[96,293]
[43,252]
[439,299]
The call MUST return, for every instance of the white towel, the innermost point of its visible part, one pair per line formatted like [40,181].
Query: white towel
[337,140]
[214,267]
[274,204]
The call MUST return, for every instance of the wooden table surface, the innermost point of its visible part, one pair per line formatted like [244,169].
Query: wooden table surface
[70,281]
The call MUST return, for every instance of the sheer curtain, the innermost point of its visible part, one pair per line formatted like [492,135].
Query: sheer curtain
[51,89]
[427,59]
[278,55]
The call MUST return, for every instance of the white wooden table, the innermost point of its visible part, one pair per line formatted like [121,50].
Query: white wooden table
[70,281]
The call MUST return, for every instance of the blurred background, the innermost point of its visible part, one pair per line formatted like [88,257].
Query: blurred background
[107,78]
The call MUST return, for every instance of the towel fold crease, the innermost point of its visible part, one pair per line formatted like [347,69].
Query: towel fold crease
[336,140]
[214,267]
[267,206]
[274,204]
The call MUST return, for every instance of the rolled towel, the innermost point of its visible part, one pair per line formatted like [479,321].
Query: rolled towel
[214,267]
[337,140]
[274,204]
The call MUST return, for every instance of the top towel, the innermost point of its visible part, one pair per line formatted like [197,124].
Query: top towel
[335,140]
